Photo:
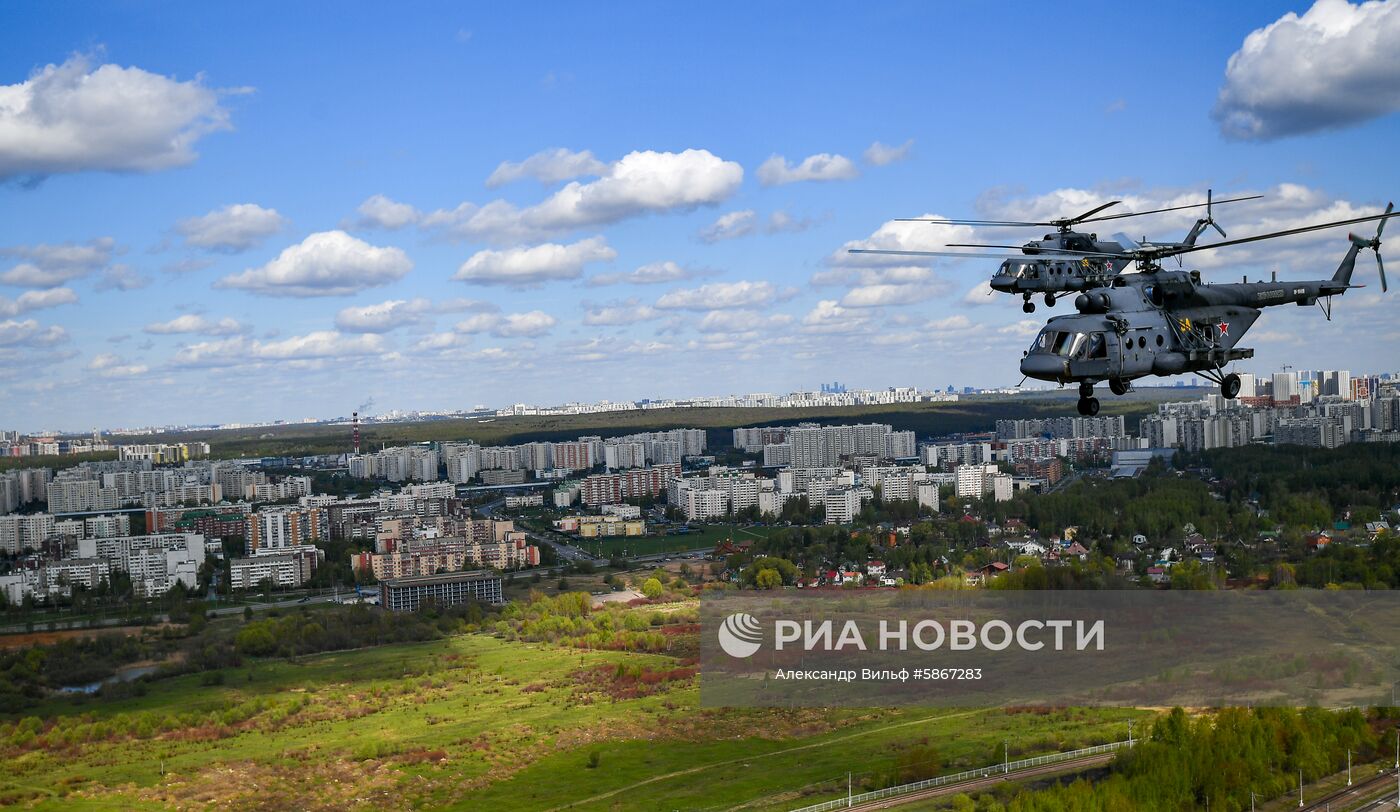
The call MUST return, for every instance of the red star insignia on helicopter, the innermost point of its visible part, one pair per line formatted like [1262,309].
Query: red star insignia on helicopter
[1224,328]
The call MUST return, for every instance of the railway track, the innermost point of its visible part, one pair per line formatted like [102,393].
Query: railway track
[1356,794]
[992,780]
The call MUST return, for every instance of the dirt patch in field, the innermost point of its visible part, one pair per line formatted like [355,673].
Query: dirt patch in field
[25,639]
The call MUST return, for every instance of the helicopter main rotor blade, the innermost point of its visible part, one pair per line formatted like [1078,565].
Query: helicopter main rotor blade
[1159,253]
[954,222]
[954,254]
[1090,213]
[1038,251]
[1064,221]
[1169,208]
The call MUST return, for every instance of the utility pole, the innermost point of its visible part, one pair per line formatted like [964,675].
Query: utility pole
[1251,801]
[1130,732]
[1348,766]
[1005,757]
[848,790]
[1300,789]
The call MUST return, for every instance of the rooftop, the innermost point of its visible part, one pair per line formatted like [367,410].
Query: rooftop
[439,578]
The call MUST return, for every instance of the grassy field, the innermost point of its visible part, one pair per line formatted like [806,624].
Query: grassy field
[976,414]
[703,538]
[475,722]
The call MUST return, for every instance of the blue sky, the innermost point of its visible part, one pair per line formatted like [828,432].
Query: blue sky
[185,234]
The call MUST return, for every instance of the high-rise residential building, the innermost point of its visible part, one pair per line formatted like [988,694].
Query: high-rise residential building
[280,528]
[25,532]
[1285,387]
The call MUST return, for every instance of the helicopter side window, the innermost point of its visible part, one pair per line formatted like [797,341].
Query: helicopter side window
[1159,339]
[1096,347]
[1142,341]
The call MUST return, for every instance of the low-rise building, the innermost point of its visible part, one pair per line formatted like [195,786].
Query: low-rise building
[442,589]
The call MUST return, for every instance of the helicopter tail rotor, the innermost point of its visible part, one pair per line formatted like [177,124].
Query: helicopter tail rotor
[1374,243]
[1210,217]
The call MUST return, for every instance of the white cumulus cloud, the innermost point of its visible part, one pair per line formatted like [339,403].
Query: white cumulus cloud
[723,295]
[114,366]
[640,183]
[829,316]
[379,211]
[233,228]
[1336,65]
[730,225]
[509,325]
[29,333]
[241,350]
[521,267]
[776,171]
[328,263]
[878,154]
[548,166]
[654,273]
[902,235]
[49,266]
[74,117]
[36,300]
[740,322]
[122,277]
[884,295]
[394,313]
[629,311]
[196,324]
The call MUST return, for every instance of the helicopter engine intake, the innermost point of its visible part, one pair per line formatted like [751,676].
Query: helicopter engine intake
[1089,303]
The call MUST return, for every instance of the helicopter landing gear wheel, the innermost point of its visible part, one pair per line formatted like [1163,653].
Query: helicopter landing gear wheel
[1230,386]
[1117,387]
[1089,406]
[1049,300]
[1028,306]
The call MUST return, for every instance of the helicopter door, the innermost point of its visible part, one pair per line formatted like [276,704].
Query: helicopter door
[1091,359]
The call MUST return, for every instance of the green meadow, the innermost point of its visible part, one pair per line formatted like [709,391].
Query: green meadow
[474,722]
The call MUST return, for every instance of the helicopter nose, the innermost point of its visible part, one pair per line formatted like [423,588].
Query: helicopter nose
[1003,283]
[1042,367]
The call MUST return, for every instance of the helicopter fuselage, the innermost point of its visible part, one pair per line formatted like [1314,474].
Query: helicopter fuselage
[1158,323]
[1033,273]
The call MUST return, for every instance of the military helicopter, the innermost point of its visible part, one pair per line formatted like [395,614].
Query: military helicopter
[1163,323]
[1067,260]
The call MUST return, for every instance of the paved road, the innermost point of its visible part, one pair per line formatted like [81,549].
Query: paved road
[328,597]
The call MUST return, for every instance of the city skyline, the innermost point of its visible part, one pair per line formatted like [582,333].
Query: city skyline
[497,215]
[807,396]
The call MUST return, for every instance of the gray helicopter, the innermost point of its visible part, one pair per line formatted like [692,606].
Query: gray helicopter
[1162,323]
[1065,261]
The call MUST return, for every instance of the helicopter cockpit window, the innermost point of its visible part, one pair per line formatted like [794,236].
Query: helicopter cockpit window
[1068,344]
[1019,270]
[1096,347]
